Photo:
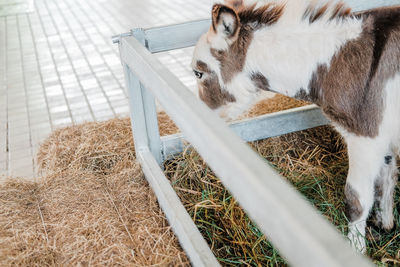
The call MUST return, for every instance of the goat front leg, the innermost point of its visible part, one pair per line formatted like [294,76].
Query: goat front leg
[365,163]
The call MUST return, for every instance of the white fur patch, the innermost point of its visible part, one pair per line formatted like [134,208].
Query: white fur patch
[288,52]
[245,93]
[390,126]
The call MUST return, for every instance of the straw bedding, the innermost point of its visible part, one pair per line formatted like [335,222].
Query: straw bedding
[93,207]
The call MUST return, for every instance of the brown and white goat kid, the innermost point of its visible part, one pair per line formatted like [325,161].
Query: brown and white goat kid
[346,63]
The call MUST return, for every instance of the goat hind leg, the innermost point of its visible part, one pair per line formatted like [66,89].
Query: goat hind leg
[384,190]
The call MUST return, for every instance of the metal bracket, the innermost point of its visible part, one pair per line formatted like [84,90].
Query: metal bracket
[116,38]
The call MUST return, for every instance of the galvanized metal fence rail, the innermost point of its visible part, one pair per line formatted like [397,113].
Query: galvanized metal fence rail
[295,228]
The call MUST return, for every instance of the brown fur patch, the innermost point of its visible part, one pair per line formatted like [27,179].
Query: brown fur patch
[232,60]
[315,85]
[350,91]
[260,81]
[202,66]
[314,12]
[211,93]
[261,16]
[235,4]
[319,12]
[341,10]
[353,206]
[378,190]
[302,95]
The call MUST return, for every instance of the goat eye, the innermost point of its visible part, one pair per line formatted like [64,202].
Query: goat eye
[198,74]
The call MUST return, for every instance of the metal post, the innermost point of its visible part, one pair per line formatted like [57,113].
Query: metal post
[143,117]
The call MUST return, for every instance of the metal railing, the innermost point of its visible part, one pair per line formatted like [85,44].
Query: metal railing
[303,237]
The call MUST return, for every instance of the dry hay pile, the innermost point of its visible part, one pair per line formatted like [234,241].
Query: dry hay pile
[93,206]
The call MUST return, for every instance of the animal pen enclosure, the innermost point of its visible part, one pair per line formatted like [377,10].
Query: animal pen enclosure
[301,235]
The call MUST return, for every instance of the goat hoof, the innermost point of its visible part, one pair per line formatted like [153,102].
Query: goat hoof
[387,224]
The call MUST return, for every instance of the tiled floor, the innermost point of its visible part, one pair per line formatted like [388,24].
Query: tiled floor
[59,67]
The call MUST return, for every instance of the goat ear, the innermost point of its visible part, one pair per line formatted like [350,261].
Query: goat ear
[225,21]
